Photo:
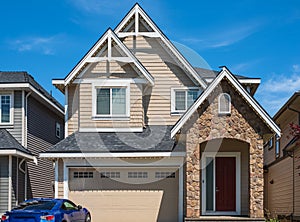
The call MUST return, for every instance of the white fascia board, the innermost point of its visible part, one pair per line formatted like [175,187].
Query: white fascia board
[242,81]
[110,82]
[27,85]
[112,155]
[14,85]
[240,88]
[58,82]
[166,41]
[15,152]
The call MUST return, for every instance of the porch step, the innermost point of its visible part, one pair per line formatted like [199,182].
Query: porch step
[224,218]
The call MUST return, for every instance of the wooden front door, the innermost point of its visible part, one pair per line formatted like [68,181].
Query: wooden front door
[225,184]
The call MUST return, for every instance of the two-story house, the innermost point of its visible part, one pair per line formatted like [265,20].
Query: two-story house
[151,138]
[31,121]
[282,164]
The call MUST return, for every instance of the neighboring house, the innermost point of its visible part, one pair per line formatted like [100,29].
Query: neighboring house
[138,119]
[29,124]
[282,164]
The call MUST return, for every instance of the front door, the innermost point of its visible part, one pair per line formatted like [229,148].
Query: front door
[220,179]
[225,184]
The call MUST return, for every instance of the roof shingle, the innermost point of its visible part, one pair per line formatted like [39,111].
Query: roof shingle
[8,142]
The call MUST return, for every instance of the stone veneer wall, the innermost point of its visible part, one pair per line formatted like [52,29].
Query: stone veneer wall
[243,124]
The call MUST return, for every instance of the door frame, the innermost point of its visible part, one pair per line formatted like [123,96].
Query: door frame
[213,155]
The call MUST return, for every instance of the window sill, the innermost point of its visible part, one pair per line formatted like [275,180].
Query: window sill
[6,125]
[177,113]
[112,118]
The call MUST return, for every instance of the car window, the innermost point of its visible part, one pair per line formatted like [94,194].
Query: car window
[39,205]
[68,206]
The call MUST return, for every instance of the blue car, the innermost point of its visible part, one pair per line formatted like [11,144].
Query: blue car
[47,210]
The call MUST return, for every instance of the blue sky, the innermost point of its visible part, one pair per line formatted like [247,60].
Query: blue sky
[252,38]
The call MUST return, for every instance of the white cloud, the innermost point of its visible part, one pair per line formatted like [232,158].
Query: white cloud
[42,45]
[282,83]
[273,93]
[227,36]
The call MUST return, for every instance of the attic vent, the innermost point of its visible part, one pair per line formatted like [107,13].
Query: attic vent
[224,103]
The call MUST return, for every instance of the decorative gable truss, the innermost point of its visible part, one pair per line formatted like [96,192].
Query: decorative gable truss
[108,48]
[138,23]
[225,73]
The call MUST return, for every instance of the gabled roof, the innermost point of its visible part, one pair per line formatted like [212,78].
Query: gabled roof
[90,58]
[9,78]
[137,12]
[10,146]
[225,73]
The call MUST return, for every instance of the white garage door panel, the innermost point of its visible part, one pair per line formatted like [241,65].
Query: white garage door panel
[120,205]
[134,199]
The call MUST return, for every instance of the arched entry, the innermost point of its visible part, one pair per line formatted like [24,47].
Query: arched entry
[225,177]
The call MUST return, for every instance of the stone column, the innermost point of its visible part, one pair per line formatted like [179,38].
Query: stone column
[256,179]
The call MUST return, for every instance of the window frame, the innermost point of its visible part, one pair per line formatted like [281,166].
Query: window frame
[173,98]
[277,146]
[11,109]
[226,112]
[110,85]
[58,127]
[270,143]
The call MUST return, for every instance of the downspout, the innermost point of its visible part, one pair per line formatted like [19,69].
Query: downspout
[25,144]
[24,171]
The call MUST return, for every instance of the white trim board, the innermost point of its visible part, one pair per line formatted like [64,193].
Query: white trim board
[236,84]
[88,58]
[15,152]
[110,155]
[137,11]
[112,130]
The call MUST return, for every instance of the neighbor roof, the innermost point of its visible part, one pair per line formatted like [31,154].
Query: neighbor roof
[8,142]
[9,77]
[99,142]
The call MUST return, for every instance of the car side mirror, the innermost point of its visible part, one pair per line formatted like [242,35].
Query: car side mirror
[79,207]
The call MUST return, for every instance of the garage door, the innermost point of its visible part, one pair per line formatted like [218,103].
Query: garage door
[126,195]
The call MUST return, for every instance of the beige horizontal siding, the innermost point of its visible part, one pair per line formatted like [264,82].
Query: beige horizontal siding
[167,74]
[280,193]
[73,104]
[297,181]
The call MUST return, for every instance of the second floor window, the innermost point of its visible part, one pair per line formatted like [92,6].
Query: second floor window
[183,99]
[111,102]
[5,109]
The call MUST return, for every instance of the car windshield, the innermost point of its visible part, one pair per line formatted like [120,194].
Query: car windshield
[37,205]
